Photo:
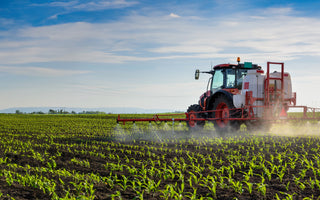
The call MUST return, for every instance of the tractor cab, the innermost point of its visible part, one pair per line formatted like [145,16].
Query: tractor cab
[226,78]
[229,77]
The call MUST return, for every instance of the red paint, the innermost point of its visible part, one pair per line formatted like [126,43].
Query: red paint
[246,85]
[260,71]
[232,91]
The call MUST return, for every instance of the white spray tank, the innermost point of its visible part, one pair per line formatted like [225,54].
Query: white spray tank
[276,84]
[253,81]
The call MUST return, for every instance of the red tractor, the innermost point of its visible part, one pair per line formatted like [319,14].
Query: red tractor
[240,93]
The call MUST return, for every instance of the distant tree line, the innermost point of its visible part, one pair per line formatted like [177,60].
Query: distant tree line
[61,111]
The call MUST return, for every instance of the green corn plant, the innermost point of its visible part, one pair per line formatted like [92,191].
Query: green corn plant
[124,183]
[51,164]
[288,196]
[221,183]
[165,194]
[303,173]
[151,185]
[9,178]
[110,182]
[181,188]
[262,188]
[168,173]
[78,187]
[296,179]
[277,196]
[192,196]
[287,186]
[249,186]
[301,185]
[212,186]
[140,194]
[171,190]
[246,176]
[311,183]
[140,185]
[236,185]
[281,175]
[3,160]
[117,194]
[192,179]
[132,170]
[180,175]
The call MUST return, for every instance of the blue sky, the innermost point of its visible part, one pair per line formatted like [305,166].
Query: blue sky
[139,53]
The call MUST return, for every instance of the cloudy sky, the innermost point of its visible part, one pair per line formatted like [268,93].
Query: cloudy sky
[140,53]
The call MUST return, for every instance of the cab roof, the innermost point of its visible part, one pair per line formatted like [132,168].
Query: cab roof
[246,65]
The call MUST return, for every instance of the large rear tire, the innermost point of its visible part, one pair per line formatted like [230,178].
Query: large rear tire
[223,124]
[193,114]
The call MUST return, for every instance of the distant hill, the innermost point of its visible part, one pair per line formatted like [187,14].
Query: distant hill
[115,110]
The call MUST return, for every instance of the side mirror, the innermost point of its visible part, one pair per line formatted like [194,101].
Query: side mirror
[197,74]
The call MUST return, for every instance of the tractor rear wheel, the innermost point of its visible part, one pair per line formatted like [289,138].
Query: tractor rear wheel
[193,114]
[223,124]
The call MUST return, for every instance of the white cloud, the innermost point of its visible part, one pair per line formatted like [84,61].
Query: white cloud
[102,5]
[278,11]
[90,5]
[40,71]
[54,16]
[60,4]
[6,22]
[186,49]
[75,6]
[174,15]
[144,38]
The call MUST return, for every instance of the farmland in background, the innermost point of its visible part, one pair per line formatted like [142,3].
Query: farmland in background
[91,157]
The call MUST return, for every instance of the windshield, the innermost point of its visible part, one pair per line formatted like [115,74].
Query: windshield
[228,78]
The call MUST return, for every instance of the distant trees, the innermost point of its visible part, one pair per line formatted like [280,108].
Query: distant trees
[38,112]
[91,112]
[61,111]
[19,112]
[52,111]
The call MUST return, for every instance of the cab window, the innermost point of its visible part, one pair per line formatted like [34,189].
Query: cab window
[217,80]
[231,77]
[240,75]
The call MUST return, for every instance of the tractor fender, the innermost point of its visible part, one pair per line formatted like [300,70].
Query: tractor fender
[212,98]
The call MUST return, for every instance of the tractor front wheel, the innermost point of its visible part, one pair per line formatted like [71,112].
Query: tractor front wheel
[222,105]
[193,112]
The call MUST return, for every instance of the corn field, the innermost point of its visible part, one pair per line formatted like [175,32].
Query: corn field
[91,157]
